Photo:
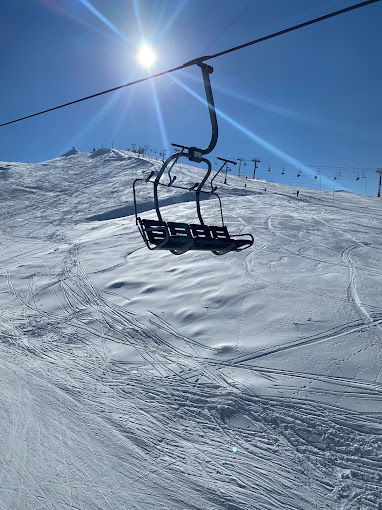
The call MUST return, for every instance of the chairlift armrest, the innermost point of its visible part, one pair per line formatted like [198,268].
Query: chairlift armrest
[139,179]
[241,235]
[227,160]
[180,146]
[247,241]
[149,177]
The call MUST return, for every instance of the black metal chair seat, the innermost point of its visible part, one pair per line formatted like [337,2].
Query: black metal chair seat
[181,237]
[217,239]
[157,233]
[205,240]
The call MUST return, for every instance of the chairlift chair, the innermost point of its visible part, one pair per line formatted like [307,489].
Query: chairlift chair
[179,237]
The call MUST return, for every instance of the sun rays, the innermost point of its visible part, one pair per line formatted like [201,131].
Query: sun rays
[147,57]
[256,138]
[104,20]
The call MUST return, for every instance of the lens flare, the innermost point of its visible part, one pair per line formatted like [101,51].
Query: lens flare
[146,55]
[103,18]
[162,127]
[256,138]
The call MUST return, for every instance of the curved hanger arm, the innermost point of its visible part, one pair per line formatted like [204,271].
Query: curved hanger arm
[206,71]
[195,153]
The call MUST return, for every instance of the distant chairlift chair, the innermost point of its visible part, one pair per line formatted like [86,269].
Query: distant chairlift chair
[179,238]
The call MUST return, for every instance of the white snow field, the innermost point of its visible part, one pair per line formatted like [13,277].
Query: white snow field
[136,379]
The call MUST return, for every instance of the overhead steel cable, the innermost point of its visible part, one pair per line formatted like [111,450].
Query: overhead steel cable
[291,29]
[201,59]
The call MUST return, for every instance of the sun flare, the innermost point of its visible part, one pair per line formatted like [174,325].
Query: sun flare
[146,55]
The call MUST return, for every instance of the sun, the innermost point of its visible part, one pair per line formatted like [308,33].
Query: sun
[146,55]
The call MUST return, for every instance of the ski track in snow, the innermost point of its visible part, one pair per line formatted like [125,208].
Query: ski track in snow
[133,380]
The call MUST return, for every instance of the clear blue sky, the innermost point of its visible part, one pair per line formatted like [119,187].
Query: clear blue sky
[312,96]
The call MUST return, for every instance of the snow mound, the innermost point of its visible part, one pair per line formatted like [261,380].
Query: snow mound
[110,152]
[71,152]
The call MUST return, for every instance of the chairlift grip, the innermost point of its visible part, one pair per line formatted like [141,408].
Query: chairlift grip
[198,61]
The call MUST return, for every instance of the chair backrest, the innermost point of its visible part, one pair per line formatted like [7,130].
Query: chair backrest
[200,231]
[219,232]
[179,229]
[156,231]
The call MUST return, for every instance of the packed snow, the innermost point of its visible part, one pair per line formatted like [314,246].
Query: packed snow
[136,379]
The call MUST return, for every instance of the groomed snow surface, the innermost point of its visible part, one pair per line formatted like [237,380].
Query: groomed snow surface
[136,379]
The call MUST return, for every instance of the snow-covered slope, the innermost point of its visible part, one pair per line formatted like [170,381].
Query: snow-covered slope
[132,379]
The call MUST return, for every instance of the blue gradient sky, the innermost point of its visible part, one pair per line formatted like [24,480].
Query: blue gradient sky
[307,98]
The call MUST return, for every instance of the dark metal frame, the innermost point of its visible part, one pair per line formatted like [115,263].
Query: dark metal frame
[193,154]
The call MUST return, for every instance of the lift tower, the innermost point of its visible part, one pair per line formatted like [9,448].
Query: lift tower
[255,161]
[379,171]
